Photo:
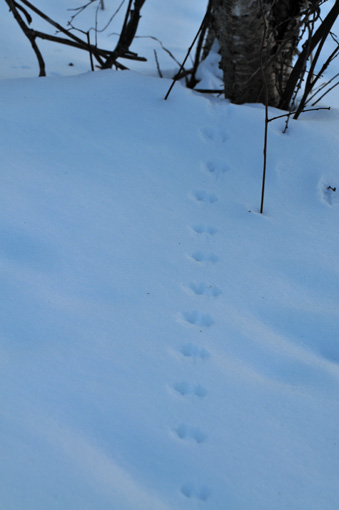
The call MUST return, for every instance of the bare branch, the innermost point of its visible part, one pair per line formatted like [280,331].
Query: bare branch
[13,7]
[320,35]
[187,55]
[105,58]
[128,32]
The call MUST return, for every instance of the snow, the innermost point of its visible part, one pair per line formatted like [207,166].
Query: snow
[163,345]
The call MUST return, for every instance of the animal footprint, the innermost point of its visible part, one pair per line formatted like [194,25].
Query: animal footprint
[198,319]
[190,490]
[195,352]
[205,229]
[210,133]
[216,167]
[187,433]
[200,256]
[185,389]
[204,289]
[205,197]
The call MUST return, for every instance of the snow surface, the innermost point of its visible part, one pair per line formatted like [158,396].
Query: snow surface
[163,345]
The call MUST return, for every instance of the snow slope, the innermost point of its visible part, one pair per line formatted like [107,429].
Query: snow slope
[163,345]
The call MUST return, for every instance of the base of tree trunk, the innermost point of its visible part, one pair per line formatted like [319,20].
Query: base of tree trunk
[257,40]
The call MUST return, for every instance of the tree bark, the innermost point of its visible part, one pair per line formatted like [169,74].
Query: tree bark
[257,41]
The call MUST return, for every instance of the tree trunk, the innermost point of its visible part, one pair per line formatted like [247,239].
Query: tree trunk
[257,41]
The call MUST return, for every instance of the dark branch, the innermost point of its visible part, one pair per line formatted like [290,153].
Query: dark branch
[14,8]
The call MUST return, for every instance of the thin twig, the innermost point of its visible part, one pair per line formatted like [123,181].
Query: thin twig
[327,91]
[161,44]
[100,30]
[50,21]
[13,6]
[303,111]
[186,57]
[324,85]
[323,29]
[309,82]
[210,91]
[157,64]
[197,58]
[266,112]
[90,52]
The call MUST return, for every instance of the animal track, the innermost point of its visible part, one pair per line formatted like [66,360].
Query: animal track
[190,490]
[198,319]
[186,389]
[203,289]
[187,433]
[205,197]
[211,133]
[216,167]
[195,352]
[200,256]
[204,229]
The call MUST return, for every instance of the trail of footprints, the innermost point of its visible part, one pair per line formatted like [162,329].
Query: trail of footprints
[194,353]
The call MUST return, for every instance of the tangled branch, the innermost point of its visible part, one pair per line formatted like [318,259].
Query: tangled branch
[105,58]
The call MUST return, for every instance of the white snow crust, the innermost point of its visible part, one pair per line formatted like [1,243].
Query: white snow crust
[163,346]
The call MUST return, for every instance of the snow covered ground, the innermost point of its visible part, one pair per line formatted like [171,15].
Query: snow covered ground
[163,346]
